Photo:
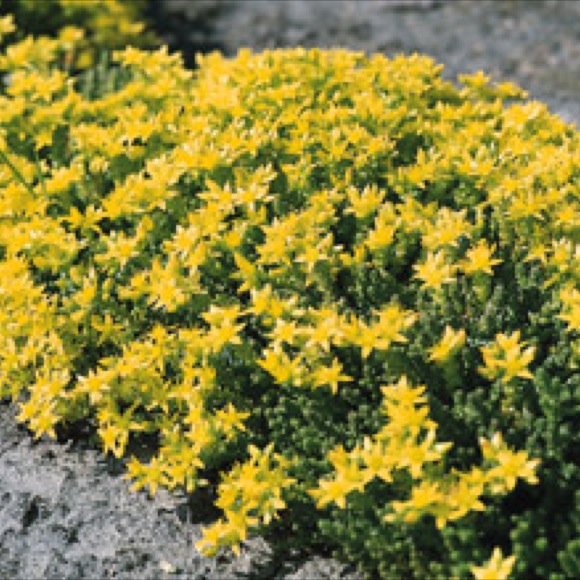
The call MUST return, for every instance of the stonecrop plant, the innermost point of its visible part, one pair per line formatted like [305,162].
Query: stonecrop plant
[336,290]
[106,25]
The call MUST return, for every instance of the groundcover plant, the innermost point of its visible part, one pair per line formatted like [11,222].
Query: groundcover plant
[336,290]
[106,24]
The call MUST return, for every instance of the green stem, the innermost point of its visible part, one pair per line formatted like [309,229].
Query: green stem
[39,172]
[16,172]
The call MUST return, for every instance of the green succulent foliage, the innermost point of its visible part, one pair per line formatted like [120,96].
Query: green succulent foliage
[434,149]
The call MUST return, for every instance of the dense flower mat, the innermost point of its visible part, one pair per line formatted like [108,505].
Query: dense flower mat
[337,290]
[106,25]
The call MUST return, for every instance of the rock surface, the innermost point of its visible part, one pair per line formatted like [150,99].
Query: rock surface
[65,510]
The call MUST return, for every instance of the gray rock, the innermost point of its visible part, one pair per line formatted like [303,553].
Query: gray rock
[66,513]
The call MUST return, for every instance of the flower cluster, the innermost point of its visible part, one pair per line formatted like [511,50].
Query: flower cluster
[87,27]
[250,494]
[233,262]
[408,442]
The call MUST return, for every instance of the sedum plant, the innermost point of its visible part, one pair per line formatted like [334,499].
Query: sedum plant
[337,291]
[107,25]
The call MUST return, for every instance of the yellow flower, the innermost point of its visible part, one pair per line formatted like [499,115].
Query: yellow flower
[95,385]
[423,496]
[449,343]
[498,567]
[464,496]
[479,259]
[505,358]
[312,254]
[447,229]
[376,459]
[510,465]
[382,236]
[322,335]
[114,439]
[570,297]
[402,393]
[261,300]
[238,523]
[336,490]
[230,419]
[7,25]
[572,318]
[44,421]
[435,272]
[281,367]
[330,375]
[213,537]
[365,202]
[363,336]
[284,331]
[417,455]
[392,319]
